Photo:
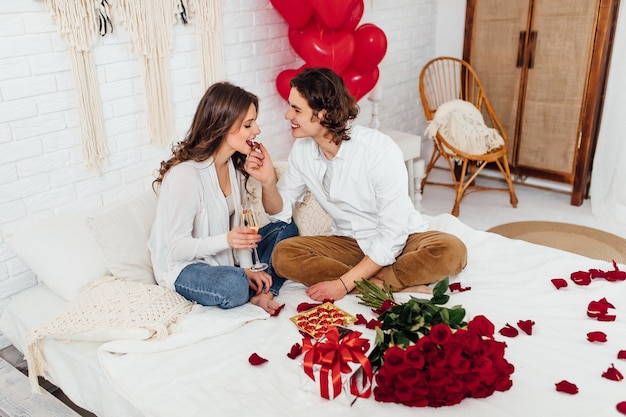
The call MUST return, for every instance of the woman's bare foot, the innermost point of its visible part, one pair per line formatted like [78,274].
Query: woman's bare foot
[266,302]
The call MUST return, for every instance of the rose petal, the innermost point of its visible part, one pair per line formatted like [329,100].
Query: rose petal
[360,319]
[526,326]
[296,350]
[596,337]
[559,283]
[256,360]
[621,407]
[277,311]
[567,387]
[613,374]
[607,317]
[373,323]
[581,277]
[306,306]
[621,354]
[456,286]
[508,331]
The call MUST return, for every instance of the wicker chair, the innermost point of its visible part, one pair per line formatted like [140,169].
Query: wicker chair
[444,79]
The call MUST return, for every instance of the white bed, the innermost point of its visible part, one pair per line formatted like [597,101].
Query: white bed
[202,368]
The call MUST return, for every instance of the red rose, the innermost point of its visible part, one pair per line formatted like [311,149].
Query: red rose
[414,357]
[394,359]
[482,326]
[440,333]
[409,376]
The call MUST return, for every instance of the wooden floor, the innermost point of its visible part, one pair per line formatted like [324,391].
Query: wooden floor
[15,358]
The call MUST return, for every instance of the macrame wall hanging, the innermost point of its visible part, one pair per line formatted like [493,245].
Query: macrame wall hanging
[206,15]
[80,23]
[150,24]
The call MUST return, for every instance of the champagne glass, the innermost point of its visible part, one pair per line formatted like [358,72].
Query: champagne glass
[250,219]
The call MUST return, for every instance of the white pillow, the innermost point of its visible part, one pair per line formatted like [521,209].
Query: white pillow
[61,252]
[122,234]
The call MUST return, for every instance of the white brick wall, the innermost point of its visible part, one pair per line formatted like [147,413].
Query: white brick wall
[41,171]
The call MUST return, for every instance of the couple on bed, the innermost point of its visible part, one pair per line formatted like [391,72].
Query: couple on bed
[355,173]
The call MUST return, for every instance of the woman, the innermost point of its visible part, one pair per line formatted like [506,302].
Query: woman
[196,244]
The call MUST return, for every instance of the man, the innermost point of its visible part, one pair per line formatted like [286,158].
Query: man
[359,178]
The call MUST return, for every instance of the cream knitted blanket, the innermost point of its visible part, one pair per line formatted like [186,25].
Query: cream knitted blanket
[109,309]
[462,125]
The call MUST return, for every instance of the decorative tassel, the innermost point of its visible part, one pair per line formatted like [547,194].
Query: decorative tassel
[150,24]
[79,22]
[207,17]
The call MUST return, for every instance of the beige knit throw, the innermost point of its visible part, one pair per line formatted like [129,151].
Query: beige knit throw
[150,24]
[78,24]
[462,125]
[206,15]
[109,309]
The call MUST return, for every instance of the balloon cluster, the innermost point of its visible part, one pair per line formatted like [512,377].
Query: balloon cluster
[325,34]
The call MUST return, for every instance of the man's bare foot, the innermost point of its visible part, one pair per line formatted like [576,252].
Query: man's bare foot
[266,302]
[423,289]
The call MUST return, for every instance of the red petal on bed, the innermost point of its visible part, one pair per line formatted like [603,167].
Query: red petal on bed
[559,283]
[508,331]
[567,387]
[621,354]
[613,374]
[456,286]
[621,407]
[606,317]
[296,350]
[360,319]
[278,310]
[306,306]
[373,323]
[581,277]
[596,337]
[256,360]
[526,326]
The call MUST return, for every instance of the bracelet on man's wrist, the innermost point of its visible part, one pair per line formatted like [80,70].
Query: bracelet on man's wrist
[344,285]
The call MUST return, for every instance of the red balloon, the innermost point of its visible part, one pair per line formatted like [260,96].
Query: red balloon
[359,83]
[370,46]
[295,35]
[283,81]
[353,19]
[332,49]
[296,13]
[332,13]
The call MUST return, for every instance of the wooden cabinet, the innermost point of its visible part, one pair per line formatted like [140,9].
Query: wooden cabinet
[544,65]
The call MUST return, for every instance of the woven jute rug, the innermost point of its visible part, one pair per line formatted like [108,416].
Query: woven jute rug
[582,240]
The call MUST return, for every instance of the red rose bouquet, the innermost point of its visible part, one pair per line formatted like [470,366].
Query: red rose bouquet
[428,356]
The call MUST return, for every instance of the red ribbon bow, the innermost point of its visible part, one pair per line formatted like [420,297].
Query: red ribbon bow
[333,355]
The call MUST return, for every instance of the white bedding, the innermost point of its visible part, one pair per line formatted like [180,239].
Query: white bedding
[203,369]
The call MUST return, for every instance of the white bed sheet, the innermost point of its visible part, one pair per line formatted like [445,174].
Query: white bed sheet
[509,279]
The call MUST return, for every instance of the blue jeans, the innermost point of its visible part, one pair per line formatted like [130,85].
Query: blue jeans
[228,286]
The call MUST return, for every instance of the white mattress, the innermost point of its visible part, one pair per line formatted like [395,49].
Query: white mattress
[509,280]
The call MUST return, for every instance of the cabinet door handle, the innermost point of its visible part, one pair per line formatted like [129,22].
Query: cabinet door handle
[532,43]
[520,49]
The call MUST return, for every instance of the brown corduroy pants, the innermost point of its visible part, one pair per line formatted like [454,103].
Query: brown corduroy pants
[427,257]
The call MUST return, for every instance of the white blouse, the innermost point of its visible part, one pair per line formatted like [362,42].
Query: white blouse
[193,219]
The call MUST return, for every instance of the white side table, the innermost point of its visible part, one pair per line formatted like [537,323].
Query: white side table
[410,145]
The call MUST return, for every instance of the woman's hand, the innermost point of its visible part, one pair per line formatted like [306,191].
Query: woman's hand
[242,238]
[260,281]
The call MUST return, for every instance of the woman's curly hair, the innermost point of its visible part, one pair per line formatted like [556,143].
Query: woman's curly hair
[222,106]
[325,90]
